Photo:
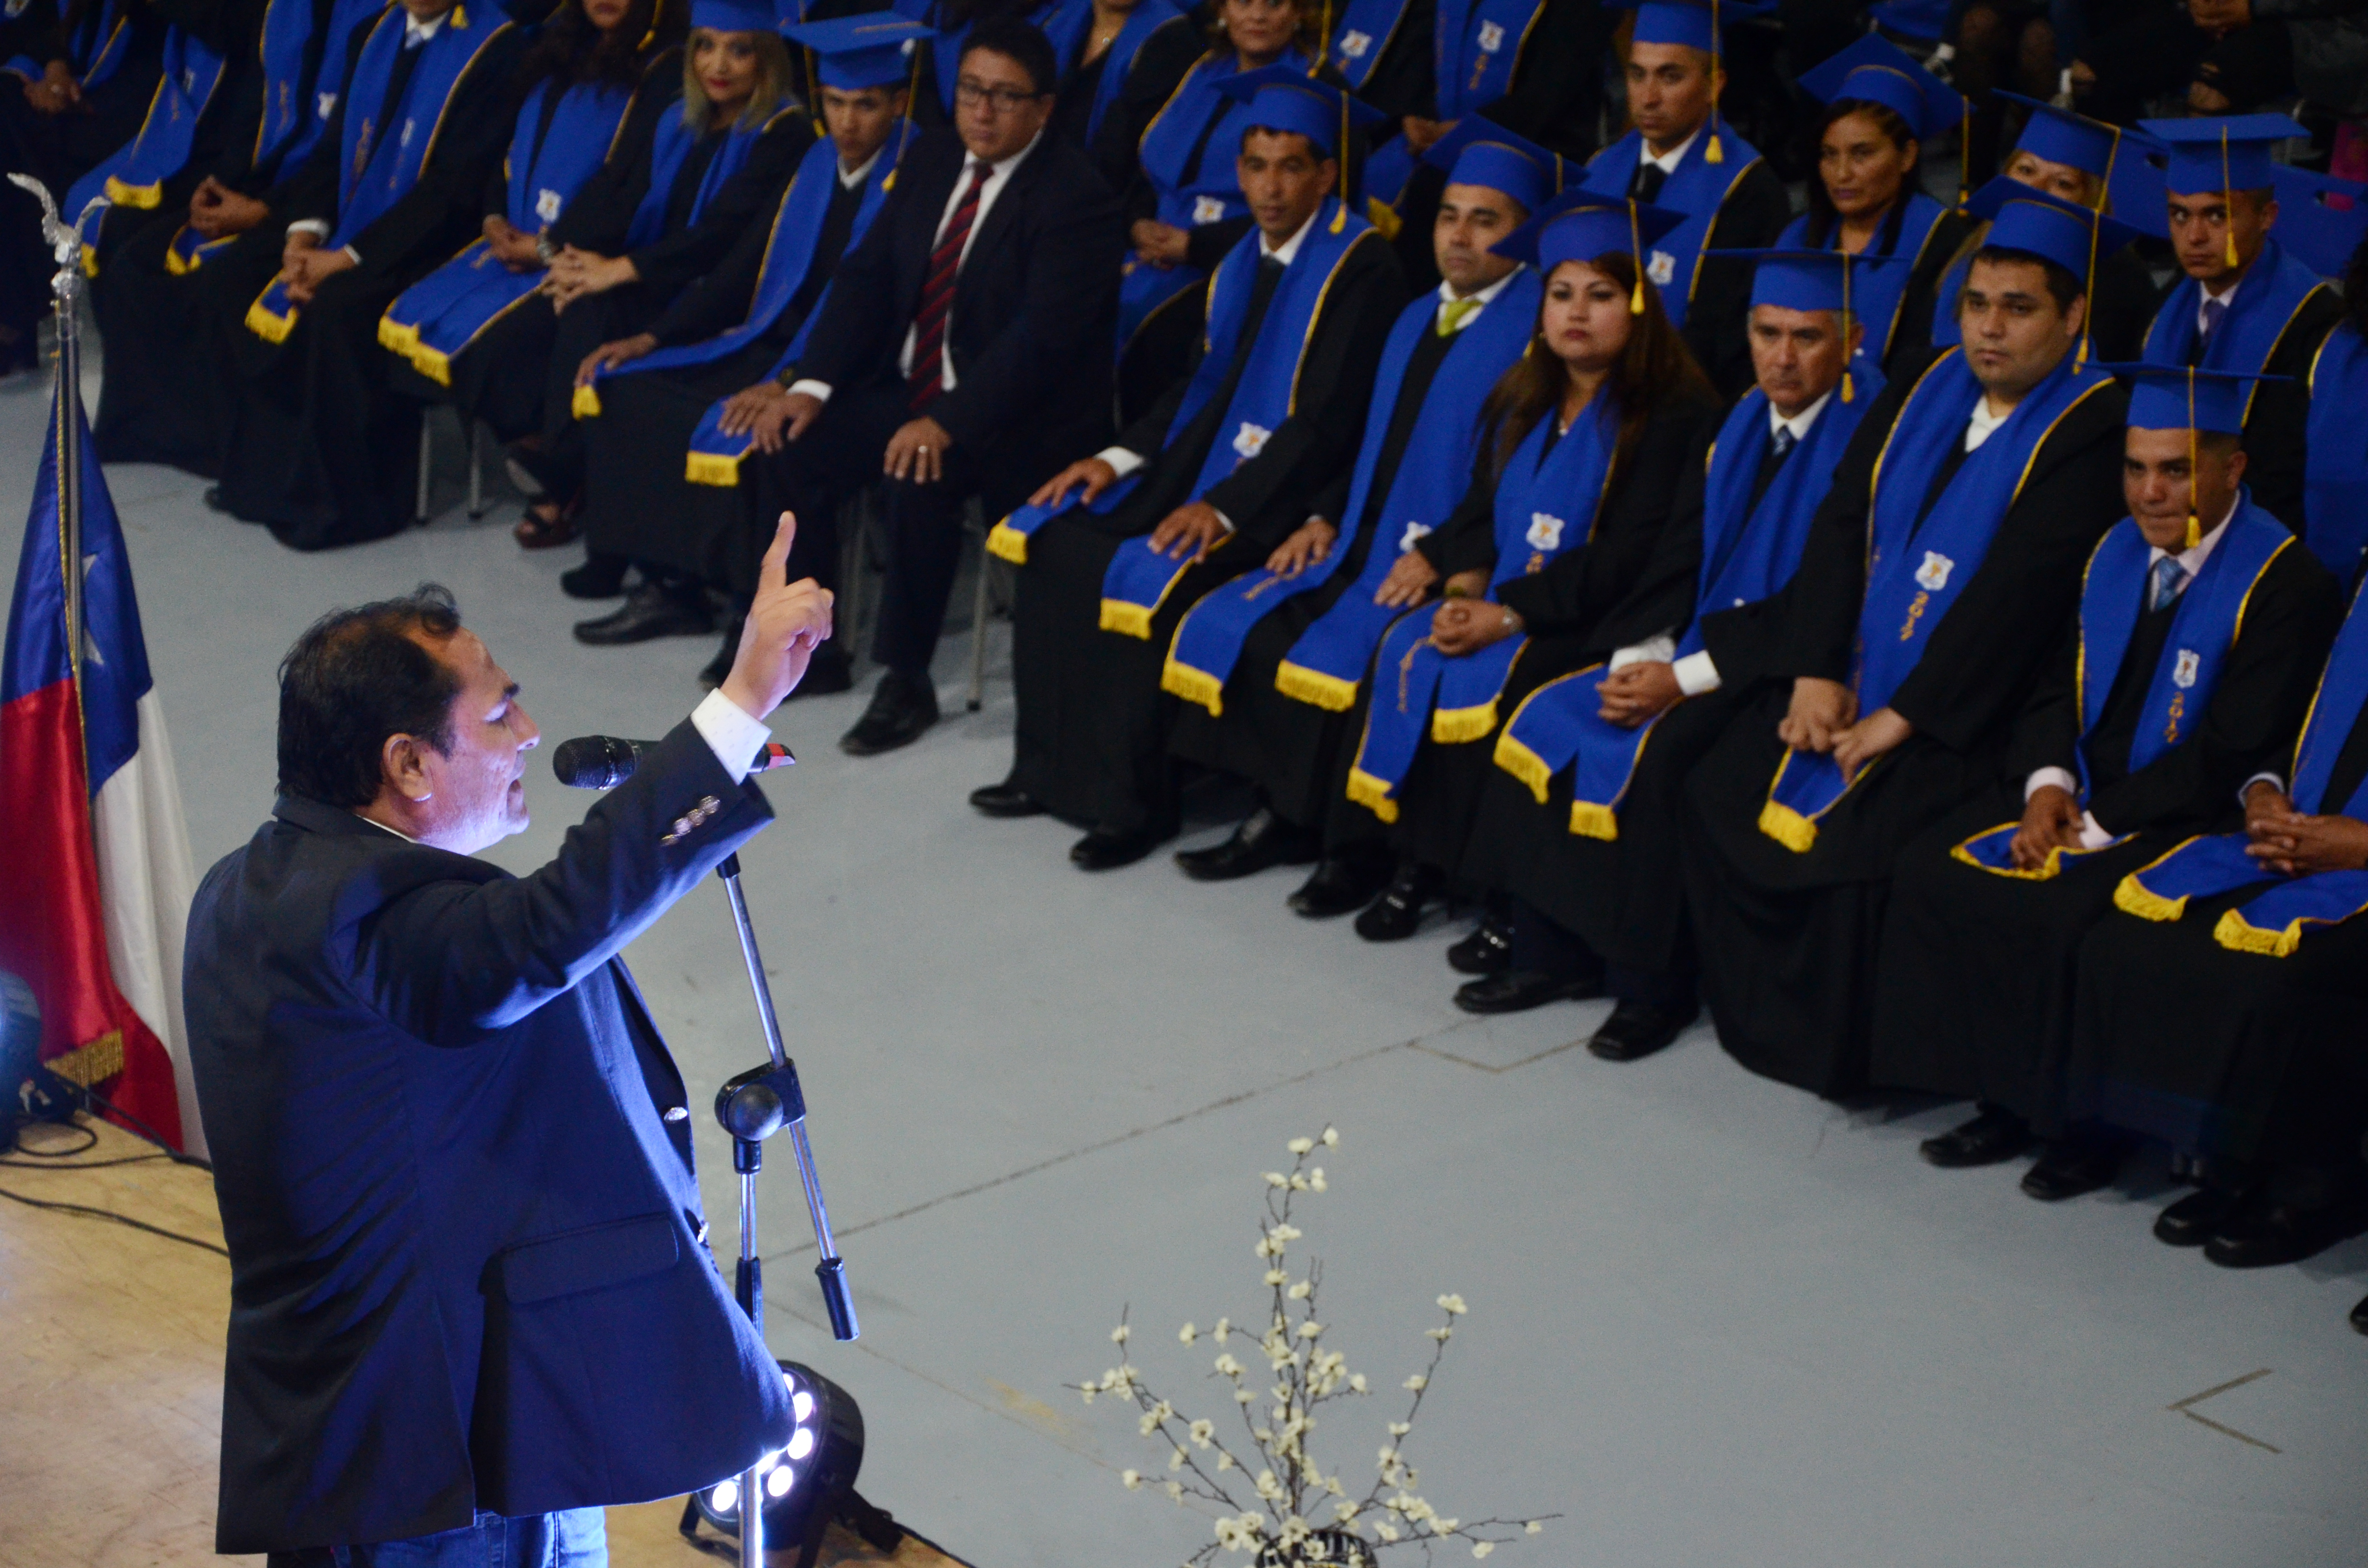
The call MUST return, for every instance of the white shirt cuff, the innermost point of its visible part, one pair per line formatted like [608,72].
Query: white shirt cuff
[1225,519]
[316,227]
[730,733]
[2093,835]
[2061,777]
[1696,673]
[1654,650]
[2274,780]
[1123,461]
[818,391]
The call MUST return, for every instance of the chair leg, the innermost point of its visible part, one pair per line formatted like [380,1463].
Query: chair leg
[476,471]
[978,608]
[427,462]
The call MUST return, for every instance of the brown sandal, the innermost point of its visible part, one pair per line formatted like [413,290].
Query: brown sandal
[545,524]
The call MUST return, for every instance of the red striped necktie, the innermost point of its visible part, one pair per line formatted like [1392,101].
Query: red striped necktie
[927,380]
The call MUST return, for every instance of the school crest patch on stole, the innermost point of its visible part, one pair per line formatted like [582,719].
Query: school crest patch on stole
[1354,44]
[1415,533]
[1933,575]
[2183,675]
[1251,439]
[1546,531]
[1207,209]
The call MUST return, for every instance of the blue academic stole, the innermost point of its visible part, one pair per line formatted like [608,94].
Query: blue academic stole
[2208,621]
[1431,475]
[442,314]
[669,149]
[290,124]
[1213,197]
[1914,573]
[1147,17]
[1479,48]
[1879,283]
[378,165]
[1748,553]
[2274,922]
[135,175]
[715,456]
[2273,290]
[1363,37]
[95,50]
[1698,189]
[2335,475]
[1420,690]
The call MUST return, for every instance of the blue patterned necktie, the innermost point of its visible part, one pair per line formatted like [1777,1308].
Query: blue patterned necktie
[2169,582]
[2213,311]
[1780,443]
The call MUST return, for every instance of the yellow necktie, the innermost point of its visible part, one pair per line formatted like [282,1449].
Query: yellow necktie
[1453,314]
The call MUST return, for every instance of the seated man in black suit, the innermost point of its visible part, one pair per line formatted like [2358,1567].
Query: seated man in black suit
[965,352]
[451,1152]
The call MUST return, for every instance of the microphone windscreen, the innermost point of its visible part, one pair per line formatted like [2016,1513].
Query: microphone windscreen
[593,762]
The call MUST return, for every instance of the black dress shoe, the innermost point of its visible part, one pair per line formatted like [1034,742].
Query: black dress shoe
[2071,1166]
[214,502]
[1637,1030]
[1489,951]
[2359,1315]
[830,673]
[1340,884]
[2196,1218]
[1005,800]
[1263,839]
[1108,848]
[600,577]
[903,707]
[2262,1235]
[1518,990]
[1991,1138]
[1394,917]
[652,610]
[712,673]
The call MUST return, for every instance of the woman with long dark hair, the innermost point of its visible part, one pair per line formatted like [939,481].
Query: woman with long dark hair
[1583,442]
[1881,105]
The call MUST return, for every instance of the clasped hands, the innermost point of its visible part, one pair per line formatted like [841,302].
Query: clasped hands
[1637,692]
[216,211]
[306,263]
[511,246]
[2295,844]
[1824,718]
[56,92]
[575,272]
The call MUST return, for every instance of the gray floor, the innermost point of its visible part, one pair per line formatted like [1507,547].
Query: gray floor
[1712,1321]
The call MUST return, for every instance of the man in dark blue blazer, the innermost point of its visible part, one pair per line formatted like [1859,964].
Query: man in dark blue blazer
[964,351]
[471,1298]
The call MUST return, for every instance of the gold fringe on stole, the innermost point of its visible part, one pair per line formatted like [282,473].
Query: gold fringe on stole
[176,266]
[2133,898]
[2054,863]
[142,196]
[1314,688]
[1194,686]
[2241,935]
[267,326]
[1523,763]
[1458,726]
[1372,794]
[1589,820]
[396,337]
[433,363]
[586,403]
[1788,827]
[1126,620]
[1385,216]
[1007,543]
[711,468]
[93,1062]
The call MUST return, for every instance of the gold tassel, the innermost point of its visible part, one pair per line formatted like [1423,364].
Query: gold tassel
[2194,523]
[1711,155]
[1849,392]
[1636,253]
[2228,192]
[1340,219]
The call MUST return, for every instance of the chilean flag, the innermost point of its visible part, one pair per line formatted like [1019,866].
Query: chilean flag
[100,881]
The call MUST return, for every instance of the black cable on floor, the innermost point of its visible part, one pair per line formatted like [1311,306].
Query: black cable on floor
[84,1208]
[61,1160]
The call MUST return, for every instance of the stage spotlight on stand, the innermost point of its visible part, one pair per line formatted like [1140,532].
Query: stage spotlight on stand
[810,1482]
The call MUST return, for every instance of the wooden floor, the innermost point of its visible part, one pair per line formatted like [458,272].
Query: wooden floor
[110,1377]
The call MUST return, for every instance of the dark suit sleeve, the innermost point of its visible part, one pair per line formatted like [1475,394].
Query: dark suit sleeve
[1551,102]
[2264,691]
[1074,244]
[666,266]
[1980,661]
[1268,496]
[1578,587]
[1753,214]
[453,961]
[1207,244]
[2276,431]
[1662,601]
[1911,340]
[720,301]
[2047,730]
[440,209]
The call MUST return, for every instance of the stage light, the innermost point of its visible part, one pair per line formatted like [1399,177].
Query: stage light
[806,1483]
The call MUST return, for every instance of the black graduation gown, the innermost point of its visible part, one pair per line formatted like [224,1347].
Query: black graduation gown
[1093,722]
[162,399]
[1974,983]
[636,501]
[1624,897]
[1159,67]
[318,446]
[2277,425]
[1562,606]
[1290,749]
[2234,1056]
[1717,318]
[1788,940]
[2122,307]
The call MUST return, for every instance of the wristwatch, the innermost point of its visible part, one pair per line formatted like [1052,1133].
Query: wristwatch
[546,248]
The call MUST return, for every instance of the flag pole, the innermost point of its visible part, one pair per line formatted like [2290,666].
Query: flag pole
[65,286]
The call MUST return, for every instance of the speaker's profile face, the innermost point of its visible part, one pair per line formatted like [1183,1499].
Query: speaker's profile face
[476,788]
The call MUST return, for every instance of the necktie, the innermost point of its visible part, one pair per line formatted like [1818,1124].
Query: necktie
[1780,443]
[2169,582]
[1649,179]
[1452,315]
[927,380]
[2213,311]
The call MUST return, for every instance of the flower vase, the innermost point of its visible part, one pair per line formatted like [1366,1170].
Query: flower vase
[1324,1549]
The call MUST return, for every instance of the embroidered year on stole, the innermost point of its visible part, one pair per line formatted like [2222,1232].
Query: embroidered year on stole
[2209,618]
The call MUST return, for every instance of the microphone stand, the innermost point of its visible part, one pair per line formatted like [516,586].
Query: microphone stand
[752,1108]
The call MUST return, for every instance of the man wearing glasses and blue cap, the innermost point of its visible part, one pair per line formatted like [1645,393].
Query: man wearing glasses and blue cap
[2201,625]
[2246,304]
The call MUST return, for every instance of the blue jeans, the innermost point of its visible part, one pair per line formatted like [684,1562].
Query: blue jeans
[576,1538]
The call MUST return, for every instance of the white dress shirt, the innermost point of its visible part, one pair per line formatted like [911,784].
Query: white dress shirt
[1983,422]
[1666,162]
[2204,296]
[998,175]
[2092,835]
[415,34]
[849,178]
[1698,673]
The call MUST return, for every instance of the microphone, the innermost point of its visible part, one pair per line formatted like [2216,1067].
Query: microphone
[603,762]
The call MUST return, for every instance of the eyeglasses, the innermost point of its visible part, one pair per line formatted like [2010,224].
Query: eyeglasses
[970,93]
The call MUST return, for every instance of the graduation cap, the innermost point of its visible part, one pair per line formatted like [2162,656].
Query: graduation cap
[2227,152]
[734,16]
[1697,24]
[1913,18]
[1479,153]
[1807,280]
[1876,71]
[2180,397]
[2037,223]
[1282,98]
[1581,225]
[2116,157]
[859,52]
[2311,224]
